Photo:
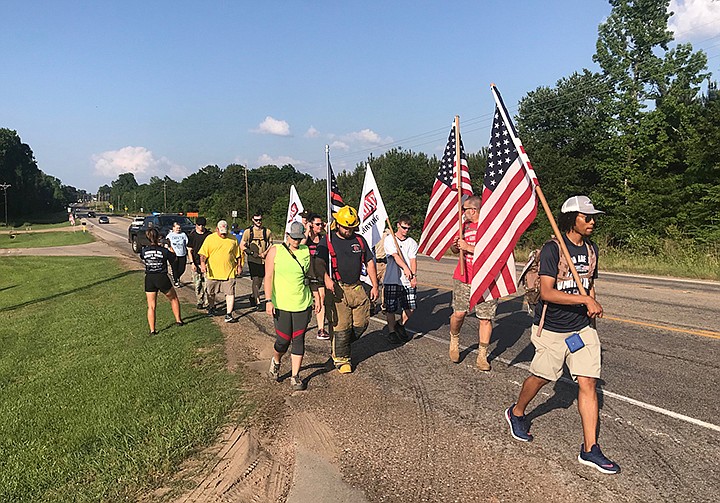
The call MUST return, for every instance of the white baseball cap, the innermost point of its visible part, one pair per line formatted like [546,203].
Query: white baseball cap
[222,227]
[581,204]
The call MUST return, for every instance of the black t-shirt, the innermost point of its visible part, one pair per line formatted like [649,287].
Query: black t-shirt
[351,255]
[562,318]
[156,259]
[195,241]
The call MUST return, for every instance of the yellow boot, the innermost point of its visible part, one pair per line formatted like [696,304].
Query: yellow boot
[454,347]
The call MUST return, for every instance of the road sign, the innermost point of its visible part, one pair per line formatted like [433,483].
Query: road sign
[234,213]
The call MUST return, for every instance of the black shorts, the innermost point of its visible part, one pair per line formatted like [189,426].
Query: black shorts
[155,282]
[256,270]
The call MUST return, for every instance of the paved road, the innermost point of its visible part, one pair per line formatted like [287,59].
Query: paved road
[659,393]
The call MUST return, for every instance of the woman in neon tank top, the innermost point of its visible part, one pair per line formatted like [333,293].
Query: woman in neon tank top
[290,305]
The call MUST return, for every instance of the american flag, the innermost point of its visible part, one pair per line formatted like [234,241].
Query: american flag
[336,200]
[509,206]
[441,219]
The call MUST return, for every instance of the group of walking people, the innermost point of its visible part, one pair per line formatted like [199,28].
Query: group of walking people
[321,273]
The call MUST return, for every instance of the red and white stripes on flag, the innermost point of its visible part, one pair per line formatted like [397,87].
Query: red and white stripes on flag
[441,219]
[509,205]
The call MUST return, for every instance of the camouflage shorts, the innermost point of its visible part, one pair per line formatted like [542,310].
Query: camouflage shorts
[461,302]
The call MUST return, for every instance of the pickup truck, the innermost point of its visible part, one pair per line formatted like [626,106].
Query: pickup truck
[163,222]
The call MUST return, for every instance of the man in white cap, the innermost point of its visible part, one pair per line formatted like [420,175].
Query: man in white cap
[221,262]
[563,330]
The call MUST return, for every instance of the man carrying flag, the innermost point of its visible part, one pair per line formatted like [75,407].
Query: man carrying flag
[485,311]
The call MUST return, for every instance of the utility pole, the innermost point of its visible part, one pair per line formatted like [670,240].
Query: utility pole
[247,200]
[165,196]
[5,186]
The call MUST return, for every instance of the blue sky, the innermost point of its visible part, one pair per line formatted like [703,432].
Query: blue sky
[98,88]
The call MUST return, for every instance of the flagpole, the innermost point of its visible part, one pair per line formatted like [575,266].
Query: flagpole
[327,171]
[538,191]
[329,204]
[458,167]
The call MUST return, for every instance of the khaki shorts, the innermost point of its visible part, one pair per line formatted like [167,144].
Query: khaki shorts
[551,352]
[461,302]
[225,287]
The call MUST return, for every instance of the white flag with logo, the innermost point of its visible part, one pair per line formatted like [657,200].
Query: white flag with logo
[372,215]
[295,207]
[371,210]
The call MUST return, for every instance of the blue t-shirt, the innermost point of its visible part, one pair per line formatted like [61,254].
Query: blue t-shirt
[179,242]
[558,317]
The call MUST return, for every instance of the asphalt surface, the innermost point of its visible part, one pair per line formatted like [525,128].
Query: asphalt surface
[424,429]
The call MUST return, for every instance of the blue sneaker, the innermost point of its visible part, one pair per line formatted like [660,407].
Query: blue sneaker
[597,460]
[519,427]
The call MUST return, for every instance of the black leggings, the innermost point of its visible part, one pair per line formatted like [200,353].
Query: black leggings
[178,267]
[290,327]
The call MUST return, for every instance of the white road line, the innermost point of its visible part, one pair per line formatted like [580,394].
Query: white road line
[607,393]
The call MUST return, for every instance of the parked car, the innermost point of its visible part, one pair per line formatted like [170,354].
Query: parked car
[163,222]
[91,214]
[137,221]
[103,219]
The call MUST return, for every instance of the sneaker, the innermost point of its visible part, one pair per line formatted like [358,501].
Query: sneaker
[274,371]
[402,332]
[297,384]
[519,427]
[253,302]
[345,368]
[323,335]
[180,323]
[211,311]
[154,332]
[393,338]
[201,306]
[597,460]
[177,284]
[229,318]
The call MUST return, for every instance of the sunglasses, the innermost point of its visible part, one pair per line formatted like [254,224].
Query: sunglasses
[406,227]
[589,218]
[318,224]
[257,219]
[469,208]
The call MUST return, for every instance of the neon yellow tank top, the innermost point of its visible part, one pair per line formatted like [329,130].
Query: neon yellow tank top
[289,291]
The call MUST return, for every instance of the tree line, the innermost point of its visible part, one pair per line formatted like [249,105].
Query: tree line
[31,194]
[640,136]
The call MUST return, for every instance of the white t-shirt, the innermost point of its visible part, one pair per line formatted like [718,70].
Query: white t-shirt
[408,249]
[178,241]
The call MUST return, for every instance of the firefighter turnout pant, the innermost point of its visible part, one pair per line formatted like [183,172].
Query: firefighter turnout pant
[347,308]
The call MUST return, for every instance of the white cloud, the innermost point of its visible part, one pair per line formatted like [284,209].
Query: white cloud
[273,126]
[137,160]
[311,133]
[339,145]
[280,161]
[366,137]
[694,18]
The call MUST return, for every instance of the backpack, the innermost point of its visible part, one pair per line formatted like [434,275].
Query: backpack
[252,235]
[530,276]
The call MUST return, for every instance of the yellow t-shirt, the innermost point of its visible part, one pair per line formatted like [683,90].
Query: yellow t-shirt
[221,256]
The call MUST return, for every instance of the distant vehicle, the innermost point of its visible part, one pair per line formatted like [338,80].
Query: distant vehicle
[91,214]
[103,220]
[137,221]
[162,222]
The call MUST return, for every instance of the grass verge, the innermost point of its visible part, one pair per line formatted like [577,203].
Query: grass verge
[45,239]
[91,407]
